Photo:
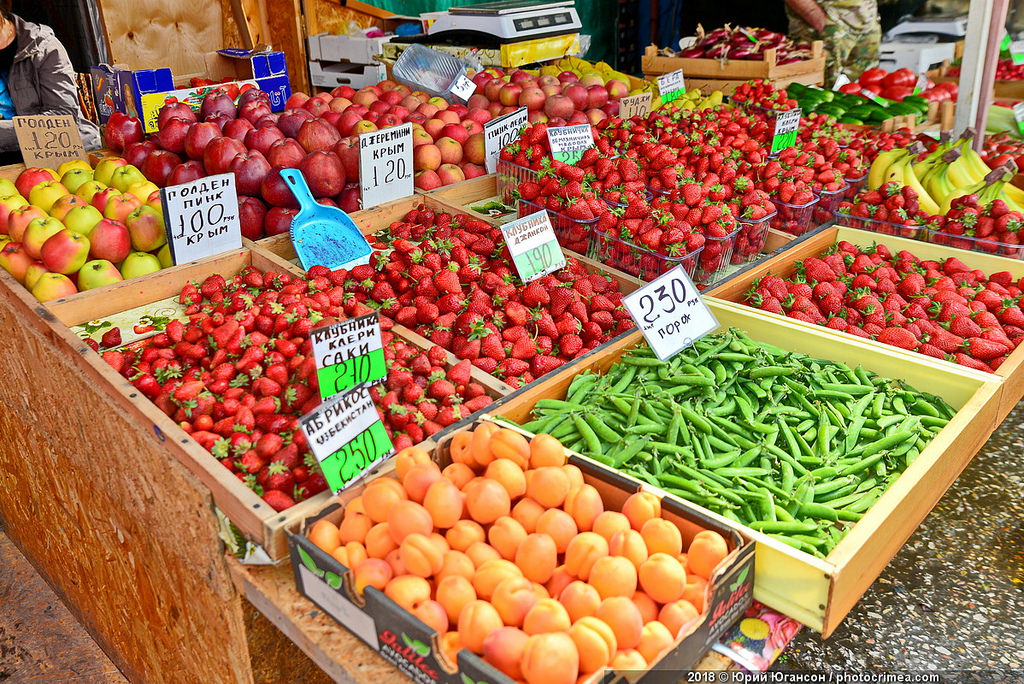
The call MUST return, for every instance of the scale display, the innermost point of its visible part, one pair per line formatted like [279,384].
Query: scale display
[508,20]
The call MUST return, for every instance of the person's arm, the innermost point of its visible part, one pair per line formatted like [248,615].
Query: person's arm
[8,140]
[810,11]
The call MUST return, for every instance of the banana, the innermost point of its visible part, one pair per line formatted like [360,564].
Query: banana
[960,174]
[880,167]
[910,179]
[938,184]
[960,192]
[896,173]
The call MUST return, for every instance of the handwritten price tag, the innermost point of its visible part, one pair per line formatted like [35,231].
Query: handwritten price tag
[672,86]
[202,217]
[385,165]
[533,245]
[463,88]
[567,143]
[48,141]
[670,313]
[786,125]
[635,105]
[500,132]
[348,353]
[347,437]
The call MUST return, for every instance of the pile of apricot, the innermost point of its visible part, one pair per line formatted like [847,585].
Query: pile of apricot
[507,552]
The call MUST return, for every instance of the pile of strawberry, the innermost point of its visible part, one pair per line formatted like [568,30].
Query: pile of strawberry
[869,142]
[1000,148]
[992,228]
[762,94]
[822,129]
[893,206]
[941,309]
[450,279]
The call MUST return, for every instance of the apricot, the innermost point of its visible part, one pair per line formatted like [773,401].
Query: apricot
[456,564]
[372,572]
[662,577]
[464,534]
[509,475]
[354,528]
[440,542]
[583,551]
[461,449]
[574,474]
[510,445]
[641,507]
[380,495]
[629,544]
[503,648]
[676,614]
[706,551]
[550,658]
[453,593]
[654,640]
[477,620]
[548,486]
[513,598]
[613,576]
[350,555]
[355,506]
[407,458]
[481,443]
[394,559]
[560,579]
[444,502]
[526,511]
[481,552]
[408,590]
[489,575]
[546,615]
[580,599]
[379,541]
[420,556]
[627,660]
[622,615]
[584,505]
[407,517]
[545,450]
[608,523]
[487,500]
[595,642]
[325,535]
[558,525]
[419,478]
[661,536]
[646,605]
[696,587]
[458,474]
[537,557]
[506,534]
[433,615]
[450,647]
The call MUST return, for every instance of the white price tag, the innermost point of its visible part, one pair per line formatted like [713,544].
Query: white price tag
[500,132]
[348,353]
[671,85]
[922,83]
[786,125]
[463,88]
[841,80]
[533,245]
[635,105]
[385,165]
[1018,114]
[201,217]
[670,313]
[568,142]
[347,437]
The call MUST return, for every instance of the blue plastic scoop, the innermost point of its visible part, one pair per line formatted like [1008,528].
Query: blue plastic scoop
[322,235]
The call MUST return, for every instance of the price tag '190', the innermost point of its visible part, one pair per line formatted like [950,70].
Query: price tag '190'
[568,142]
[348,353]
[533,245]
[385,165]
[670,313]
[635,105]
[786,125]
[500,132]
[672,86]
[201,217]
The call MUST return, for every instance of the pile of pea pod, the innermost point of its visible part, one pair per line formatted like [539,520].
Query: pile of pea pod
[795,447]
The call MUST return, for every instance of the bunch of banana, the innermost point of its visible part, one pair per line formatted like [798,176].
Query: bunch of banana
[970,168]
[897,165]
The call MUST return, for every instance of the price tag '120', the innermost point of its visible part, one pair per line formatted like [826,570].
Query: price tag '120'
[533,245]
[385,165]
[202,217]
[500,132]
[670,313]
[786,125]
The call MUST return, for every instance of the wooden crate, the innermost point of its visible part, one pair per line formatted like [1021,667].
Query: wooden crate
[728,86]
[738,69]
[819,592]
[1011,373]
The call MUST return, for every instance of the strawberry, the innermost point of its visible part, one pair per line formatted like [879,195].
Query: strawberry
[541,365]
[111,338]
[985,350]
[440,388]
[460,373]
[278,500]
[898,337]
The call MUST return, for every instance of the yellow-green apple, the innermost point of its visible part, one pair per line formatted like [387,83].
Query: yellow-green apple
[89,189]
[143,189]
[154,200]
[53,286]
[15,260]
[35,271]
[110,240]
[7,205]
[451,150]
[7,188]
[98,273]
[38,232]
[120,206]
[139,263]
[420,136]
[65,252]
[438,102]
[103,197]
[18,220]
[450,173]
[65,204]
[427,180]
[363,127]
[4,239]
[82,220]
[75,178]
[164,257]
[146,228]
[31,177]
[45,194]
[126,175]
[105,168]
[73,164]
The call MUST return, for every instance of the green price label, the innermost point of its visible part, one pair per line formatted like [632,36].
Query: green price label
[348,353]
[533,245]
[672,86]
[349,462]
[1018,114]
[786,125]
[568,156]
[351,372]
[538,261]
[781,142]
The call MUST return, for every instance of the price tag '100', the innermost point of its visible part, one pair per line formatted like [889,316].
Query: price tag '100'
[500,132]
[385,165]
[786,125]
[202,217]
[670,313]
[533,245]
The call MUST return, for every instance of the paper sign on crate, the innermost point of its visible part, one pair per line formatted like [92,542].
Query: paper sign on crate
[48,141]
[786,125]
[670,313]
[347,437]
[635,105]
[385,165]
[1018,114]
[567,143]
[201,217]
[500,132]
[533,245]
[672,86]
[348,353]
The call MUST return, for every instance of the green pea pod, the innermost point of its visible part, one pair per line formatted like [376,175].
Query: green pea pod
[782,527]
[816,510]
[593,444]
[695,419]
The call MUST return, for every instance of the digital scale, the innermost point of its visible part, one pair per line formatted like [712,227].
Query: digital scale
[505,21]
[943,28]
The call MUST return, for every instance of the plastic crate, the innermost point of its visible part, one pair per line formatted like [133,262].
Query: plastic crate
[510,175]
[431,71]
[828,202]
[910,232]
[974,244]
[795,219]
[638,261]
[855,185]
[715,257]
[751,239]
[571,233]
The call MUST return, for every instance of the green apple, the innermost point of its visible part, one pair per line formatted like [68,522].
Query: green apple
[61,207]
[53,286]
[89,188]
[105,169]
[73,179]
[82,219]
[139,263]
[98,273]
[146,226]
[125,176]
[35,271]
[7,188]
[44,195]
[142,190]
[37,233]
[73,164]
[164,255]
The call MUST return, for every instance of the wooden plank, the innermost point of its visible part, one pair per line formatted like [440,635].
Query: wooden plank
[461,194]
[250,16]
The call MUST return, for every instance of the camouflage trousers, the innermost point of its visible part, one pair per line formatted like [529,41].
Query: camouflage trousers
[848,49]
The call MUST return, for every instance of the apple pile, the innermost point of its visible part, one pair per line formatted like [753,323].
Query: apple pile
[77,228]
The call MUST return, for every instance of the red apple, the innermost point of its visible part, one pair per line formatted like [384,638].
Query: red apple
[217,102]
[578,95]
[611,108]
[347,121]
[456,132]
[219,153]
[268,120]
[219,120]
[296,100]
[7,205]
[324,173]
[198,137]
[509,94]
[550,90]
[420,137]
[448,116]
[253,95]
[578,118]
[568,77]
[62,206]
[473,171]
[595,115]
[317,135]
[365,97]
[19,218]
[158,166]
[349,199]
[451,151]
[548,80]
[472,127]
[276,191]
[339,104]
[260,139]
[38,232]
[101,198]
[253,111]
[492,90]
[616,89]
[537,117]
[65,252]
[597,96]
[344,91]
[450,173]
[237,128]
[110,240]
[146,228]
[286,152]
[290,121]
[136,153]
[186,173]
[532,99]
[434,128]
[474,149]
[316,106]
[122,130]
[348,152]
[120,206]
[279,220]
[427,180]
[251,214]
[250,169]
[559,106]
[332,118]
[174,109]
[15,260]
[426,157]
